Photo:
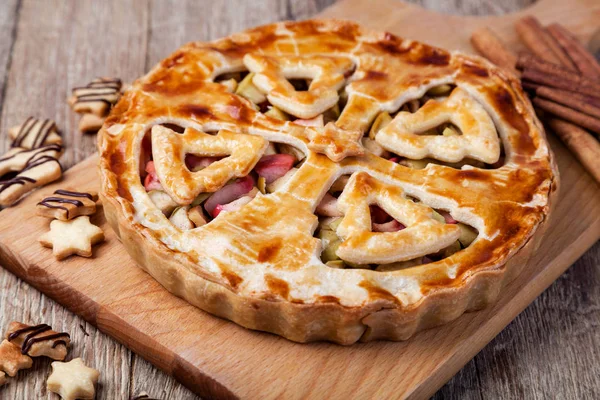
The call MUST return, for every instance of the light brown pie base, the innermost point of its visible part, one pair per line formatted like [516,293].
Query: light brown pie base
[359,307]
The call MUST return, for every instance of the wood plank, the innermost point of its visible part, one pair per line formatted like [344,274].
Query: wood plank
[169,391]
[9,15]
[60,45]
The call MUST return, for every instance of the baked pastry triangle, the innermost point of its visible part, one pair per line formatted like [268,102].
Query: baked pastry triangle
[407,134]
[423,234]
[183,185]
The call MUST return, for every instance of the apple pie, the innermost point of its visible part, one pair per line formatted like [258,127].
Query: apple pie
[322,181]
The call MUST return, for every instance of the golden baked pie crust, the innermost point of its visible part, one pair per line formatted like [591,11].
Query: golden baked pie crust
[260,266]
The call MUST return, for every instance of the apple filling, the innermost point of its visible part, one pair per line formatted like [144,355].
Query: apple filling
[241,84]
[276,166]
[279,163]
[330,217]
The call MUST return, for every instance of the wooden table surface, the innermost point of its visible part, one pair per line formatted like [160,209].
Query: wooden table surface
[552,350]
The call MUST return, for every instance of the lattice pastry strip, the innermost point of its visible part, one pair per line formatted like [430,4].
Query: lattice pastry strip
[335,142]
[272,74]
[479,139]
[423,234]
[169,150]
[342,139]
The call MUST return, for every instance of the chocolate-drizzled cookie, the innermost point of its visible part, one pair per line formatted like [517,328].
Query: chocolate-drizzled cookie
[39,170]
[38,340]
[17,158]
[35,133]
[96,97]
[67,204]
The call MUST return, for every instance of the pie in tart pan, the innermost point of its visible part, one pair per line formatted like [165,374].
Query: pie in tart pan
[322,181]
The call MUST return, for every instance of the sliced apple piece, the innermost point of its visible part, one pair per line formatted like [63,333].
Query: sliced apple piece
[411,106]
[247,89]
[162,201]
[328,207]
[261,183]
[441,90]
[332,114]
[197,163]
[316,122]
[196,215]
[180,219]
[331,242]
[285,148]
[200,199]
[337,264]
[279,183]
[233,206]
[151,182]
[374,147]
[467,235]
[339,184]
[391,226]
[357,266]
[330,223]
[415,164]
[449,131]
[276,113]
[438,217]
[274,166]
[230,84]
[380,122]
[453,248]
[271,149]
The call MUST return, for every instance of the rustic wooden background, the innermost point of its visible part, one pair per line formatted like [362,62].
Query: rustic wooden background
[552,350]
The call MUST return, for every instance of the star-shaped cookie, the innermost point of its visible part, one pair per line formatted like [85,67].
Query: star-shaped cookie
[73,380]
[11,359]
[72,237]
[67,204]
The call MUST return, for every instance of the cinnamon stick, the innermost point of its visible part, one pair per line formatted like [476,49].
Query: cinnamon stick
[526,60]
[541,43]
[548,74]
[491,47]
[557,81]
[586,104]
[568,114]
[582,58]
[581,143]
[569,95]
[530,86]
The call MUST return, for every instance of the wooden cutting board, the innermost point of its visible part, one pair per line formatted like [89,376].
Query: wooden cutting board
[216,358]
